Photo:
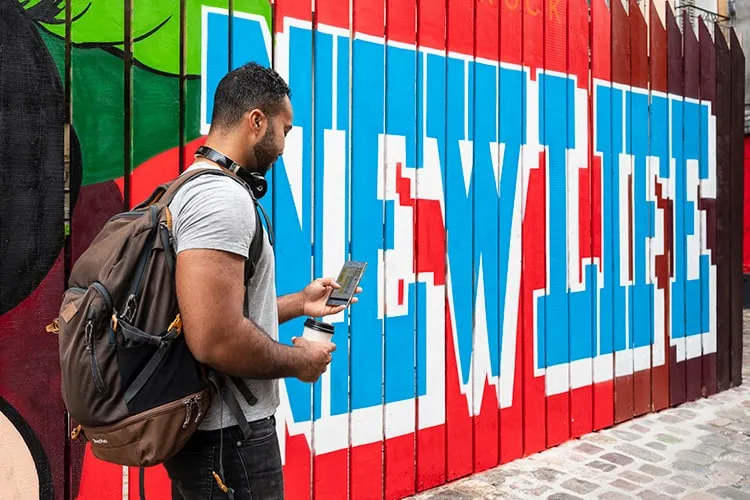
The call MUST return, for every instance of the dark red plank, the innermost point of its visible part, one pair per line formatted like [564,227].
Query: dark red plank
[639,79]
[675,83]
[601,69]
[708,93]
[723,209]
[691,57]
[621,59]
[737,176]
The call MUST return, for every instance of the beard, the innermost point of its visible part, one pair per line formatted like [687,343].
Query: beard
[265,153]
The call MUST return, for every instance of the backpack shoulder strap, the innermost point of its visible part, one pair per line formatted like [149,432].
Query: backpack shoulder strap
[256,247]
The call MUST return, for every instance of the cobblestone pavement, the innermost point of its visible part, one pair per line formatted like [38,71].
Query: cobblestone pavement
[700,450]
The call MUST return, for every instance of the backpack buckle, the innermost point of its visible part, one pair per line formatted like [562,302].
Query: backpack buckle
[130,307]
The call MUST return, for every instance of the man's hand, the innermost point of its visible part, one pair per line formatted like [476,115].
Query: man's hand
[315,358]
[315,295]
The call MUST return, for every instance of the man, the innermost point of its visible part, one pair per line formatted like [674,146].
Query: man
[213,225]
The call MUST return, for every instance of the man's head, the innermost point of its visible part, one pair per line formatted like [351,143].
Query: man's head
[252,111]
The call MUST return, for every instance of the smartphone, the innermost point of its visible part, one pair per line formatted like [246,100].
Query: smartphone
[349,278]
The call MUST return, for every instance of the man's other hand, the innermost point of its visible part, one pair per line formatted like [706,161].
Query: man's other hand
[315,358]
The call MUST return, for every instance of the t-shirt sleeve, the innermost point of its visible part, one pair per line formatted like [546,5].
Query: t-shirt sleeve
[214,213]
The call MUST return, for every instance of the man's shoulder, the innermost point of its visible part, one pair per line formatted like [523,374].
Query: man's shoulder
[212,192]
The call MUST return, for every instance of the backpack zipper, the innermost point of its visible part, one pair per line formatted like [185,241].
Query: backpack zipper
[145,415]
[91,347]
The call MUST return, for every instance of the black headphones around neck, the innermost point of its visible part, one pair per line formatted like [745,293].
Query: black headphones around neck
[258,184]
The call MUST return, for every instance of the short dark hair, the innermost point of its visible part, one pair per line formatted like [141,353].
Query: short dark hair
[245,88]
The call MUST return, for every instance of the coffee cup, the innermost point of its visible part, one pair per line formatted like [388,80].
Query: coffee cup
[317,331]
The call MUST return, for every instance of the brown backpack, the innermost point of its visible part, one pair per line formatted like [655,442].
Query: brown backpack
[128,377]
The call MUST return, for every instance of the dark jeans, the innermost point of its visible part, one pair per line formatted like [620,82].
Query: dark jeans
[252,467]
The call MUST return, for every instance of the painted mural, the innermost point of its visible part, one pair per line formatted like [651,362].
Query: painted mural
[550,206]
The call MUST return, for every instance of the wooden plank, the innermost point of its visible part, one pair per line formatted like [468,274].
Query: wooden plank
[737,197]
[658,172]
[643,209]
[330,234]
[34,110]
[723,210]
[533,275]
[295,49]
[485,186]
[621,227]
[580,215]
[510,129]
[459,210]
[368,226]
[707,202]
[676,309]
[154,116]
[601,160]
[399,156]
[553,314]
[431,373]
[693,134]
[579,210]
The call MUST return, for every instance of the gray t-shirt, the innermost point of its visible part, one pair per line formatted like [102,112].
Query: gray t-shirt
[216,212]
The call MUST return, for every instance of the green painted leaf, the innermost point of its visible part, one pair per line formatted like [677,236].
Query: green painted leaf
[156,27]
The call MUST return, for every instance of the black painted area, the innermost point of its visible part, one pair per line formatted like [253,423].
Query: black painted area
[32,119]
[46,489]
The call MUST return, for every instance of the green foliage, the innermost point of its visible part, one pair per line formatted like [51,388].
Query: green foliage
[155,26]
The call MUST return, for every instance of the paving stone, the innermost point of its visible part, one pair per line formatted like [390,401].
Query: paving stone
[638,452]
[720,422]
[547,474]
[652,495]
[599,439]
[602,466]
[669,419]
[640,428]
[699,495]
[613,495]
[725,478]
[677,430]
[695,457]
[579,486]
[657,445]
[715,440]
[671,489]
[736,456]
[668,438]
[624,485]
[563,496]
[654,470]
[737,468]
[636,477]
[729,492]
[692,467]
[625,435]
[685,413]
[693,481]
[617,458]
[710,450]
[537,491]
[589,448]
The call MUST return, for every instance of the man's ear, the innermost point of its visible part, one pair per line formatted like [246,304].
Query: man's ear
[257,119]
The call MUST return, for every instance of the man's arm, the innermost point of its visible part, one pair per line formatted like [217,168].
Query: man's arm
[290,306]
[211,296]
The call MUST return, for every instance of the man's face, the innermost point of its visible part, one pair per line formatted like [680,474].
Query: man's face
[271,144]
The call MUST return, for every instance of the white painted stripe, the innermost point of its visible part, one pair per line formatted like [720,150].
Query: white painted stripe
[693,346]
[642,358]
[624,363]
[603,368]
[557,380]
[581,373]
[334,206]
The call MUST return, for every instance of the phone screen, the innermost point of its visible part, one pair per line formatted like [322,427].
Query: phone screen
[349,279]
